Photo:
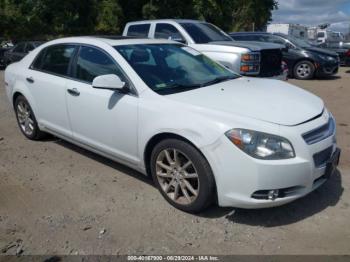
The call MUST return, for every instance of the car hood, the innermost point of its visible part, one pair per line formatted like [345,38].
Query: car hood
[321,51]
[263,99]
[252,46]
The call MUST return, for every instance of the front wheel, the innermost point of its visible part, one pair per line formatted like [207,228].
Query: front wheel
[182,175]
[304,70]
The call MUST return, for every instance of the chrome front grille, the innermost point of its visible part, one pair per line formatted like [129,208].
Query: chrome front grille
[320,133]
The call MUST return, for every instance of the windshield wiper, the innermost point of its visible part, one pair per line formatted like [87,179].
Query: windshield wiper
[218,80]
[176,87]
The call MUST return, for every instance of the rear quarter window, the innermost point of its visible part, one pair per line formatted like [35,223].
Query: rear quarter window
[54,59]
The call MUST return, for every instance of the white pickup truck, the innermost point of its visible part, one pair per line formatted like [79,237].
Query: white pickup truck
[246,58]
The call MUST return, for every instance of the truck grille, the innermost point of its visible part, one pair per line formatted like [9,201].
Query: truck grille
[271,63]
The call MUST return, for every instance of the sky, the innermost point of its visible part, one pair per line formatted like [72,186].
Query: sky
[314,12]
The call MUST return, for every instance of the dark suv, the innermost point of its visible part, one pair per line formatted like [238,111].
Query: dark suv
[19,51]
[304,60]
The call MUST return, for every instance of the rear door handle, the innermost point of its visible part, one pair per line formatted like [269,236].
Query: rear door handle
[73,92]
[30,80]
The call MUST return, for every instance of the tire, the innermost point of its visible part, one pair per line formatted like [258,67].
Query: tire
[304,70]
[172,177]
[26,119]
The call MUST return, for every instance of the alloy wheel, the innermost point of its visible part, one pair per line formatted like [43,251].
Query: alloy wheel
[25,118]
[177,176]
[303,70]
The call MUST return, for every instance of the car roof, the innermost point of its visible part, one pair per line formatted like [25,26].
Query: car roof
[112,41]
[250,33]
[168,20]
[256,33]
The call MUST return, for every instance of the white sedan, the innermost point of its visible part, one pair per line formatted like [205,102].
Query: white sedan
[204,133]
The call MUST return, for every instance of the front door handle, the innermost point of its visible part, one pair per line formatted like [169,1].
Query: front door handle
[30,80]
[73,92]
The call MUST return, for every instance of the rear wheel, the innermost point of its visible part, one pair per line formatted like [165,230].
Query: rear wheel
[182,175]
[304,70]
[26,119]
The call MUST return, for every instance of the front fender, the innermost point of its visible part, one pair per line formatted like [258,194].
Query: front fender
[193,126]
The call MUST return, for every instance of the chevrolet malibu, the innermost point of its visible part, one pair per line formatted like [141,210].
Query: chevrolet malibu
[204,133]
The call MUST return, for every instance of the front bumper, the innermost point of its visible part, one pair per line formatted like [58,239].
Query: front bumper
[327,68]
[239,176]
[283,76]
[345,61]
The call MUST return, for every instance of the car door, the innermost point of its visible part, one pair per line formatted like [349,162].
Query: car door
[47,79]
[103,119]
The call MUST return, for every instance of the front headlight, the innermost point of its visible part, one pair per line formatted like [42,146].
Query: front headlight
[250,63]
[261,145]
[326,57]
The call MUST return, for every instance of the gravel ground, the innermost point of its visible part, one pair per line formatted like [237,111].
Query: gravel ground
[56,198]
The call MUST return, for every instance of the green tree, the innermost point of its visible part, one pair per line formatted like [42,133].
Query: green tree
[109,17]
[21,19]
[252,14]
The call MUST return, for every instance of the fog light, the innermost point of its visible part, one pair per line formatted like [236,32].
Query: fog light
[273,194]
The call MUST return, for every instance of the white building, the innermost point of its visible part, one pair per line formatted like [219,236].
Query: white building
[295,30]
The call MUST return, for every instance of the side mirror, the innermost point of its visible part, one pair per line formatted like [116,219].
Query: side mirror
[112,82]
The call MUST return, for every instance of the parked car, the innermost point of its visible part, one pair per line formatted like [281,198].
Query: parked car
[252,59]
[19,51]
[2,58]
[201,131]
[304,60]
[342,50]
[4,46]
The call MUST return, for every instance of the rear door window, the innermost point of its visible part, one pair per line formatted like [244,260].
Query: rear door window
[139,30]
[168,31]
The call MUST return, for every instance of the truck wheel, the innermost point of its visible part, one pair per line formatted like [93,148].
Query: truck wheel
[182,175]
[304,70]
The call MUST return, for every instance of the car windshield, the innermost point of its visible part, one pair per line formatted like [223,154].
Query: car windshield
[298,42]
[170,68]
[203,33]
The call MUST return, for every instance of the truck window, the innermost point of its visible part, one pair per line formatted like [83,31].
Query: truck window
[168,31]
[203,33]
[139,30]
